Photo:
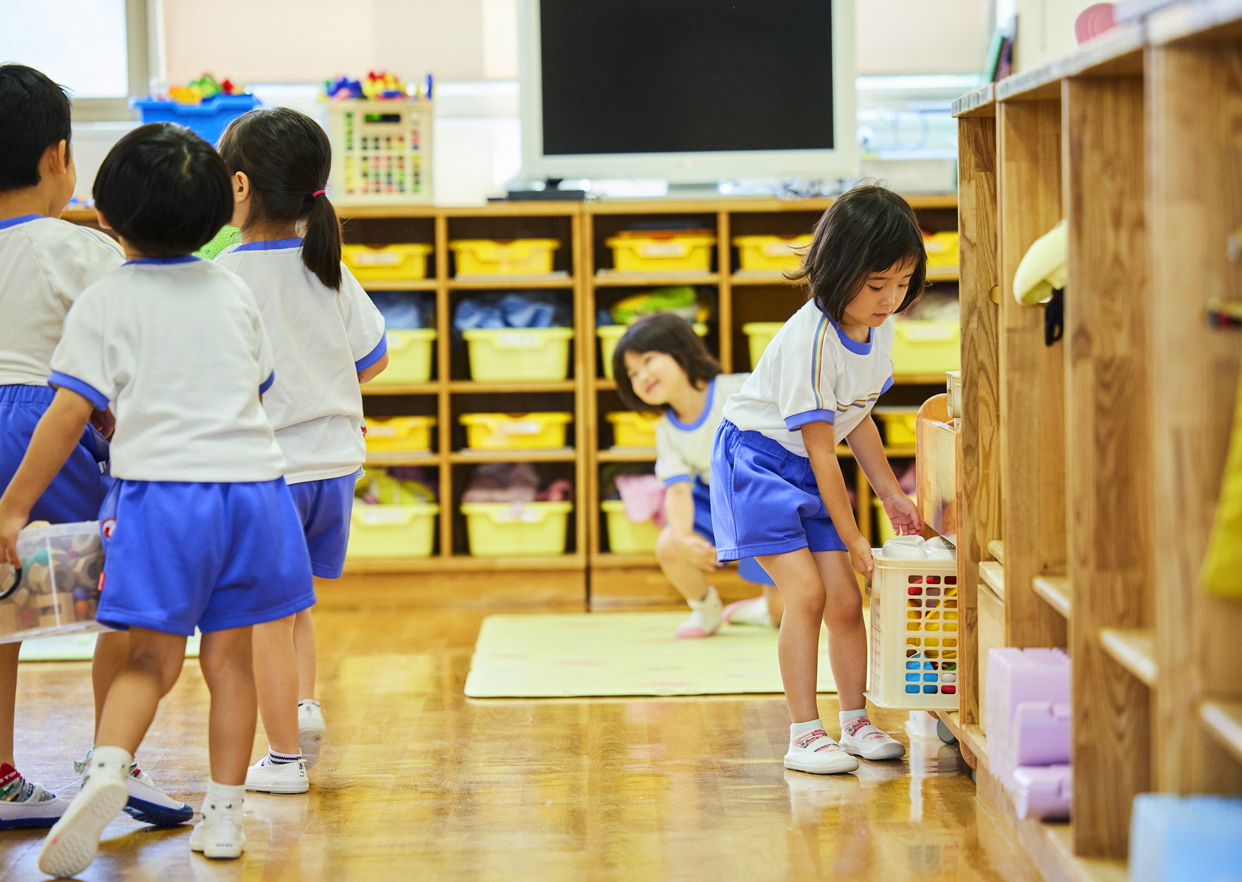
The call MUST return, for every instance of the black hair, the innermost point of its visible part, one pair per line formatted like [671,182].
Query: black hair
[672,335]
[164,190]
[34,115]
[866,230]
[287,157]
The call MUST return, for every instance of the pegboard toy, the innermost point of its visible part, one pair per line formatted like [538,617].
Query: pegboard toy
[1016,677]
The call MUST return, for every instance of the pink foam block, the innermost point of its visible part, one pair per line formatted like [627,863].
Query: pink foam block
[1043,792]
[1017,676]
[1041,733]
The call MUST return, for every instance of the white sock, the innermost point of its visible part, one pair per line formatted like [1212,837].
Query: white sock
[850,716]
[112,758]
[275,758]
[308,701]
[797,729]
[224,794]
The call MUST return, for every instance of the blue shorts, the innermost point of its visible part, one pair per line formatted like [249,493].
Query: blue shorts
[765,499]
[324,508]
[215,556]
[79,488]
[748,568]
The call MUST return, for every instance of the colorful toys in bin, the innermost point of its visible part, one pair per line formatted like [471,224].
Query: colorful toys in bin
[56,589]
[377,86]
[204,87]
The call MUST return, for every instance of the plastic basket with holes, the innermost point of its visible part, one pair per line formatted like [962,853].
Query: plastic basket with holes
[915,645]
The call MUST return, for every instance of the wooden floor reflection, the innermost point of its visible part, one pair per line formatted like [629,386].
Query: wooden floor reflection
[416,782]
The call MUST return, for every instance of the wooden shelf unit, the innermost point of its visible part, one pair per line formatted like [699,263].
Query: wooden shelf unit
[1110,466]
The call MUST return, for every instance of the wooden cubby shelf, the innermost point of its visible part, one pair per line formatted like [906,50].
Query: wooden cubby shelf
[401,285]
[996,548]
[506,283]
[464,563]
[379,460]
[1224,720]
[1055,590]
[395,389]
[653,280]
[519,386]
[992,574]
[1134,649]
[556,454]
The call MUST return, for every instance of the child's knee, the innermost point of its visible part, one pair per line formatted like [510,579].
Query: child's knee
[844,612]
[666,547]
[163,660]
[806,603]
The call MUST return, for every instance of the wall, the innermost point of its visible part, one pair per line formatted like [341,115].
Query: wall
[922,36]
[1045,31]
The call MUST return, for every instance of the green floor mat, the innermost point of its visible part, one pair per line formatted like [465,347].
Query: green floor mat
[77,647]
[607,654]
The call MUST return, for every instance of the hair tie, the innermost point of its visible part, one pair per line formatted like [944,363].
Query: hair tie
[318,193]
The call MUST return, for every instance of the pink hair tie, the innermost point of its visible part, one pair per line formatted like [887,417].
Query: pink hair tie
[318,193]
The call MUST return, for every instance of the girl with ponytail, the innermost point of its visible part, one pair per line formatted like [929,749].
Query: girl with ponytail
[327,337]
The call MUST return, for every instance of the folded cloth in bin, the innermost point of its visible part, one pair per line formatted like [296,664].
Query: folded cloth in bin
[508,311]
[403,310]
[559,490]
[502,482]
[643,496]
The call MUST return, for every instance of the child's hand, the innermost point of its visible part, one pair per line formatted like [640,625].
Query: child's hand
[860,556]
[11,523]
[701,553]
[104,422]
[903,514]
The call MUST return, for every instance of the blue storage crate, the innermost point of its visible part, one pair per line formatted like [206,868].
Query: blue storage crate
[1185,838]
[207,120]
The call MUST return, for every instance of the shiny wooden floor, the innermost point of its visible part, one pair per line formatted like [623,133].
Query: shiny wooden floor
[418,782]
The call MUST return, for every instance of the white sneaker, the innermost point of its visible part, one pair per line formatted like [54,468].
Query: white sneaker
[220,833]
[818,754]
[71,844]
[751,611]
[705,619]
[147,804]
[860,738]
[310,731]
[35,806]
[278,778]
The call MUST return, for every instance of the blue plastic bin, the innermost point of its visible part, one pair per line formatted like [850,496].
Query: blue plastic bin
[1185,838]
[207,120]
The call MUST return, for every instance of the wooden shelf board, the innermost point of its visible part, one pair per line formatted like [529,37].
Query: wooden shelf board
[943,274]
[1118,52]
[605,383]
[465,563]
[996,548]
[992,574]
[919,380]
[400,285]
[760,204]
[633,454]
[556,454]
[516,386]
[1134,649]
[901,451]
[762,277]
[614,279]
[1223,718]
[1055,590]
[980,102]
[505,283]
[400,389]
[345,212]
[609,561]
[492,209]
[403,459]
[1188,23]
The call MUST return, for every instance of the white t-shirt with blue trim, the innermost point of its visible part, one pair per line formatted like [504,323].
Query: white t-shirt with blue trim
[176,346]
[813,372]
[320,340]
[684,450]
[45,264]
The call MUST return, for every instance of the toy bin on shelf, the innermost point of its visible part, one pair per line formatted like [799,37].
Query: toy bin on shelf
[771,253]
[381,151]
[511,257]
[900,425]
[405,434]
[610,334]
[759,335]
[512,431]
[501,529]
[391,531]
[515,354]
[208,120]
[650,252]
[387,263]
[58,589]
[409,357]
[914,634]
[633,429]
[926,347]
[942,249]
[625,536]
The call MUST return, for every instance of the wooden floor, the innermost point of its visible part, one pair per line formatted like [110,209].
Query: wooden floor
[417,782]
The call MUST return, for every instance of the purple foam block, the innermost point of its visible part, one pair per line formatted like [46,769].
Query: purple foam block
[1017,676]
[1041,734]
[1043,792]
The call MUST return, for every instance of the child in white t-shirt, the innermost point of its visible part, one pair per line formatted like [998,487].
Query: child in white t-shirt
[327,337]
[662,365]
[200,529]
[778,493]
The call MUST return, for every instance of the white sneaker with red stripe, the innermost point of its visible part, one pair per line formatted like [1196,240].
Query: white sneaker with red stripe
[860,738]
[751,611]
[818,754]
[705,620]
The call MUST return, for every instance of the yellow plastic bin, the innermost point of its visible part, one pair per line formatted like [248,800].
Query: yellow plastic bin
[942,249]
[510,431]
[500,529]
[391,531]
[387,263]
[496,257]
[926,347]
[771,253]
[759,335]
[633,429]
[625,536]
[899,425]
[409,357]
[515,354]
[661,252]
[610,334]
[407,434]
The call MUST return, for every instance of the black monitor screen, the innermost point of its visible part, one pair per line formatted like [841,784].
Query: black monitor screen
[674,76]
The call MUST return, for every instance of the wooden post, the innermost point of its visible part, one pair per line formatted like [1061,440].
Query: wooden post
[444,409]
[1106,450]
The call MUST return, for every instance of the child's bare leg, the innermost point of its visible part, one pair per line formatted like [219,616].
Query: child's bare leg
[111,653]
[802,591]
[847,635]
[276,675]
[776,606]
[227,667]
[154,663]
[685,576]
[8,699]
[304,646]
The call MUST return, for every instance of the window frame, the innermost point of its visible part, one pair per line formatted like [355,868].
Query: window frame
[141,17]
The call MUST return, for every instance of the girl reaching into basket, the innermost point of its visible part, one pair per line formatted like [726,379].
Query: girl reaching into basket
[777,490]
